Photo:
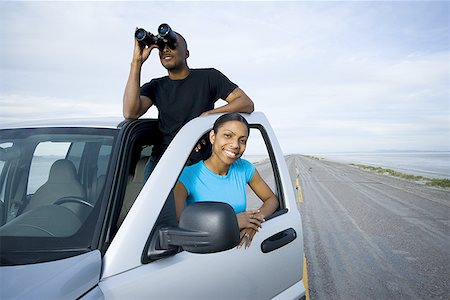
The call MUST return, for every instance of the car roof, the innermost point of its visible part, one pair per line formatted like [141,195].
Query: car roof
[113,122]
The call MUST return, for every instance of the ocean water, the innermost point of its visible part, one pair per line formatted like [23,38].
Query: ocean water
[426,164]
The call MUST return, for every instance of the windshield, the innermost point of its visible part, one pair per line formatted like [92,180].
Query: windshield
[51,186]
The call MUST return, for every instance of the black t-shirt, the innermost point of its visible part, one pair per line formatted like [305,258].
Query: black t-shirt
[179,101]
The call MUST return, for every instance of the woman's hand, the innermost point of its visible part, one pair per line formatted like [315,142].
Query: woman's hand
[251,219]
[249,223]
[247,235]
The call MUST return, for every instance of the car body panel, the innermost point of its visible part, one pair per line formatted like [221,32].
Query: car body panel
[62,279]
[240,273]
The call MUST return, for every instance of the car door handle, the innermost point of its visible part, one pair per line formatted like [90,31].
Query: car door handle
[278,240]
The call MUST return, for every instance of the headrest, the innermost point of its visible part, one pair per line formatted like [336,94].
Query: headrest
[62,170]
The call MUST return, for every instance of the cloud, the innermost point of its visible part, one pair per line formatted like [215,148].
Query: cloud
[19,107]
[329,75]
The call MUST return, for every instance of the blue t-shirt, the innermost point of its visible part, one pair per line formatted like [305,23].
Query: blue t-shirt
[202,184]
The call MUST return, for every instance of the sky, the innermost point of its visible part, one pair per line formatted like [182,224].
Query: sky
[331,76]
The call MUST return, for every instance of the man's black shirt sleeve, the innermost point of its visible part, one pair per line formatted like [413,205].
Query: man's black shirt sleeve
[220,84]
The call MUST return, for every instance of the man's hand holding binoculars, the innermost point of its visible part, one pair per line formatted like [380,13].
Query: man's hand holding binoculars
[145,41]
[141,50]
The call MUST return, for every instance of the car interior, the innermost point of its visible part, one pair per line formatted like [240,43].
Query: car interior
[48,170]
[62,182]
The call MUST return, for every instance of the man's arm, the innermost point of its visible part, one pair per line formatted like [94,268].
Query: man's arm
[237,100]
[135,105]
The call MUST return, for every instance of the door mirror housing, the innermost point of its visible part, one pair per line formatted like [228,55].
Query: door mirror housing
[205,227]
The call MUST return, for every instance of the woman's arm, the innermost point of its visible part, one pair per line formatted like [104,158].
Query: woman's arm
[180,194]
[263,191]
[247,220]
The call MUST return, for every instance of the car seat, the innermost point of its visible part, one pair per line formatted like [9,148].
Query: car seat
[134,186]
[62,182]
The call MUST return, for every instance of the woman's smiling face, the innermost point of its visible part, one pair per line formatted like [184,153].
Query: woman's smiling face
[229,141]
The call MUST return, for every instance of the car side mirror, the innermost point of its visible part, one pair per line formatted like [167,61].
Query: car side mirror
[204,227]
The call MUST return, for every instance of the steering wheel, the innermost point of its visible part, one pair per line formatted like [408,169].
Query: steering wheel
[72,199]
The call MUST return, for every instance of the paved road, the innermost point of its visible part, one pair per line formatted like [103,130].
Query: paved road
[371,236]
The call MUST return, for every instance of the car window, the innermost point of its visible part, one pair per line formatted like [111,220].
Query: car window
[140,150]
[75,153]
[4,149]
[45,154]
[49,198]
[103,159]
[2,192]
[258,153]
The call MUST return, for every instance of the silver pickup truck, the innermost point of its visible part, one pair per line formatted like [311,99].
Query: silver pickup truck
[78,222]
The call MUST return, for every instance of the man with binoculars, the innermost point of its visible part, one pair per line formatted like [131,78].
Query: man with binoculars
[182,95]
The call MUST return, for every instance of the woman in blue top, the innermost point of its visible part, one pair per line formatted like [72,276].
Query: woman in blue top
[224,175]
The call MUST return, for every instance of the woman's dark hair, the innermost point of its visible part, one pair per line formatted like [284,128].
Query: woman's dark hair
[230,117]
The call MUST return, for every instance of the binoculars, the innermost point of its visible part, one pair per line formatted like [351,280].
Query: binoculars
[166,36]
